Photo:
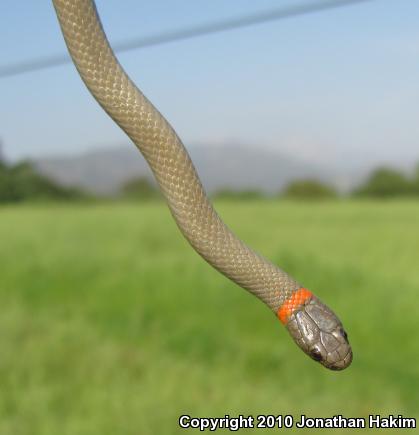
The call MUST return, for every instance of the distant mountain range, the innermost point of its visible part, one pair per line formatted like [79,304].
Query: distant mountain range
[103,171]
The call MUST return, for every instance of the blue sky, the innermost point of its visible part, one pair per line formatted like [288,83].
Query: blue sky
[339,87]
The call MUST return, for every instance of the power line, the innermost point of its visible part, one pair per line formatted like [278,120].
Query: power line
[176,35]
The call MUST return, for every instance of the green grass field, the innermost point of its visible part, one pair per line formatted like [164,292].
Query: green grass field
[111,324]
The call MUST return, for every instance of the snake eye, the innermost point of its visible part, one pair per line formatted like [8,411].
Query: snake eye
[344,334]
[315,354]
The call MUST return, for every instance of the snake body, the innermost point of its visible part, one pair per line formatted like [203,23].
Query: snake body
[314,327]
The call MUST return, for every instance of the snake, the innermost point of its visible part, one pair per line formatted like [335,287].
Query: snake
[314,327]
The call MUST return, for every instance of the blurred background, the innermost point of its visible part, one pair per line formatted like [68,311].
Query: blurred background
[301,118]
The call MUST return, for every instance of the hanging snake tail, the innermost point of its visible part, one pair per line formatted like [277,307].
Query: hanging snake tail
[312,325]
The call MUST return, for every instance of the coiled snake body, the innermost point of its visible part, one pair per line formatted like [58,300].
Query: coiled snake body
[313,326]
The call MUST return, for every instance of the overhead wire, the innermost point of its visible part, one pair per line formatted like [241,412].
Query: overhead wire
[41,63]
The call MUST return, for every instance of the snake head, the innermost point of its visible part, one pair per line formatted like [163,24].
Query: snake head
[320,334]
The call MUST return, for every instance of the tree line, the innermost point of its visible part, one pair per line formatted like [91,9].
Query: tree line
[21,182]
[382,183]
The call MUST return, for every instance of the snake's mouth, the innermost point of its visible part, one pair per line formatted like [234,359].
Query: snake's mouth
[343,364]
[320,334]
